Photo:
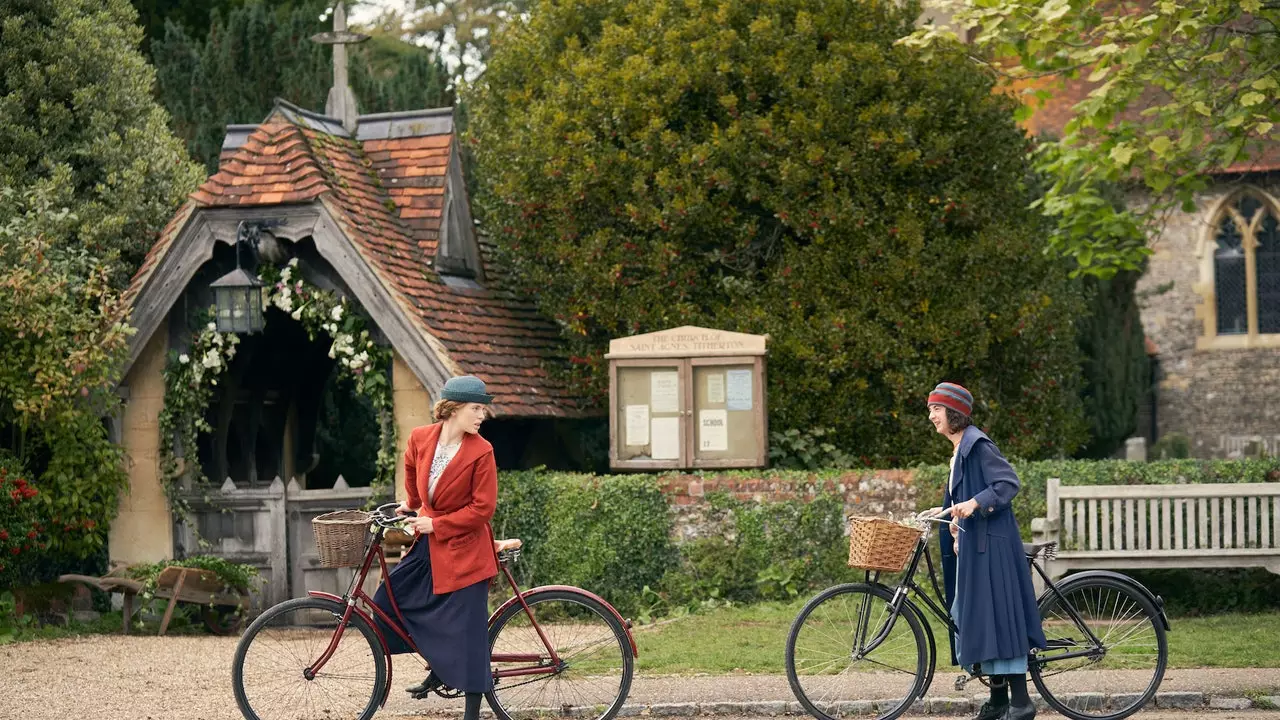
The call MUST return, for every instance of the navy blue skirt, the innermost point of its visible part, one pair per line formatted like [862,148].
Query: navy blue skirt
[451,630]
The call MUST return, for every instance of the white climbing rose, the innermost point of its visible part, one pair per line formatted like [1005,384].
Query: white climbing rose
[336,314]
[184,359]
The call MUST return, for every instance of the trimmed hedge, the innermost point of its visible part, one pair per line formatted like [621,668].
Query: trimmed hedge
[1030,502]
[607,534]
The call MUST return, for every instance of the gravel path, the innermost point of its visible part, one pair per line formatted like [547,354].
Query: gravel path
[113,677]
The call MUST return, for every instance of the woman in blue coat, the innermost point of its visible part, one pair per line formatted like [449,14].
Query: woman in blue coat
[988,580]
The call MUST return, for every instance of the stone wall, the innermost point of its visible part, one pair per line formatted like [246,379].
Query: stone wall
[1223,399]
[143,531]
[873,492]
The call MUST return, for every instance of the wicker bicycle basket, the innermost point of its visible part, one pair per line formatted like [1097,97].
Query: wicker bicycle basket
[879,544]
[340,537]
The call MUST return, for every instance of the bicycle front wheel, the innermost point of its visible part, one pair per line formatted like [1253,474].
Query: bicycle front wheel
[1110,678]
[271,672]
[848,644]
[589,675]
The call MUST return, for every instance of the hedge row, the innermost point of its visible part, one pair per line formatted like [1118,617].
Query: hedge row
[1030,502]
[613,535]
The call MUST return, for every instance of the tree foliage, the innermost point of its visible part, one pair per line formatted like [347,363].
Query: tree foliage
[781,167]
[256,53]
[75,94]
[1117,371]
[63,340]
[1180,88]
[462,30]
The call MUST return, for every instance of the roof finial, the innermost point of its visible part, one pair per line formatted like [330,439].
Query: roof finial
[342,102]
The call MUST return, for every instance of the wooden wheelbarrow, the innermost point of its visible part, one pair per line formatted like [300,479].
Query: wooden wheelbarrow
[220,610]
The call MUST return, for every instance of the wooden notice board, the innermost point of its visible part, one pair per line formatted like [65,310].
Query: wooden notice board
[687,398]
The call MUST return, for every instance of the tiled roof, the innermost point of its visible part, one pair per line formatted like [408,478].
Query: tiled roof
[1053,114]
[159,250]
[388,192]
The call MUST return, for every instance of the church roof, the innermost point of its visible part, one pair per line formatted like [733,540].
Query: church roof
[1053,115]
[391,190]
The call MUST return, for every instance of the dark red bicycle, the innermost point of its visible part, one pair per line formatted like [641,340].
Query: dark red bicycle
[555,650]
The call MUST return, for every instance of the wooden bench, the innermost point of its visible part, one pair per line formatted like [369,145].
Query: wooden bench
[1233,525]
[178,584]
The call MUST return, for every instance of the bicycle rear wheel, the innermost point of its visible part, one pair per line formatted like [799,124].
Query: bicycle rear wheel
[1127,663]
[834,662]
[269,671]
[593,675]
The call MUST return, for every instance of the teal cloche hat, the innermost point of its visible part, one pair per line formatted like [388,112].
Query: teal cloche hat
[465,389]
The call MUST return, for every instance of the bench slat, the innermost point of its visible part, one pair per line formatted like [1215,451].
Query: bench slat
[1130,542]
[1093,523]
[1106,525]
[1266,523]
[1108,554]
[1179,537]
[1202,540]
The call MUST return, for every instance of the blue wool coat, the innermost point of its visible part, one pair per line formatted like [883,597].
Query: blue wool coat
[996,612]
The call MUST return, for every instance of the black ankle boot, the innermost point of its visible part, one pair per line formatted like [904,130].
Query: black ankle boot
[425,687]
[992,710]
[1019,712]
[472,708]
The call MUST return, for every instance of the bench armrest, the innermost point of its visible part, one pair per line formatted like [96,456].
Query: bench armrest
[1044,529]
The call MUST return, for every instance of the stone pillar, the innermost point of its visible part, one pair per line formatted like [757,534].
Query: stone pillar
[1135,449]
[143,529]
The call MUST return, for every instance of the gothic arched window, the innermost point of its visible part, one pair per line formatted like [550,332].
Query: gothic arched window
[1245,271]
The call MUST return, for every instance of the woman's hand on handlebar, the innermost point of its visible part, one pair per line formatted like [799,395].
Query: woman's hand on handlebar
[404,509]
[422,525]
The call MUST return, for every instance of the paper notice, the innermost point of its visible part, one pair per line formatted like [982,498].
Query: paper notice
[739,389]
[713,430]
[665,438]
[664,392]
[715,388]
[637,425]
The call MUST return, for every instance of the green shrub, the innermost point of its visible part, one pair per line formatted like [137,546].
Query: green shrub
[607,534]
[760,551]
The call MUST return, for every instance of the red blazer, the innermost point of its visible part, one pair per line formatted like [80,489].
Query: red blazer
[461,542]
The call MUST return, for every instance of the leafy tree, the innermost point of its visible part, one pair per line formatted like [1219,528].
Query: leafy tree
[1180,88]
[258,53]
[75,94]
[460,29]
[780,166]
[1116,367]
[195,17]
[63,341]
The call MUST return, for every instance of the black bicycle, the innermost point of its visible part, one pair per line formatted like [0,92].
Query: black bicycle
[1106,655]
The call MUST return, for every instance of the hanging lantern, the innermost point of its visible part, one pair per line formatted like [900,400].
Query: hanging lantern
[237,298]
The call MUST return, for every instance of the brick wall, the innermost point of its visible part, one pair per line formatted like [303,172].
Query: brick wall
[1219,398]
[877,492]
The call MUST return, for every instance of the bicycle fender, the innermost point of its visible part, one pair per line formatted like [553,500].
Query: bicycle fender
[626,624]
[386,651]
[1156,601]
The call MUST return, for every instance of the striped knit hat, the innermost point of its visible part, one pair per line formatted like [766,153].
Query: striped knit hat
[950,395]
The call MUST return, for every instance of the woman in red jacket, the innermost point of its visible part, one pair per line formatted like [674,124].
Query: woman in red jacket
[441,585]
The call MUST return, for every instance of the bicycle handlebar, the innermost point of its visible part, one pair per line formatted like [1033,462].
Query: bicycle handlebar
[385,516]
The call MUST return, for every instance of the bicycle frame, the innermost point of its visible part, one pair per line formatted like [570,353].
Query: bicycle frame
[356,595]
[908,585]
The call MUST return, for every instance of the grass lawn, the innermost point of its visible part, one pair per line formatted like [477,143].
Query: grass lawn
[752,638]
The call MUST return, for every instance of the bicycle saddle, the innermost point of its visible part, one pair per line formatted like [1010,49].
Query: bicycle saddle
[500,546]
[1033,550]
